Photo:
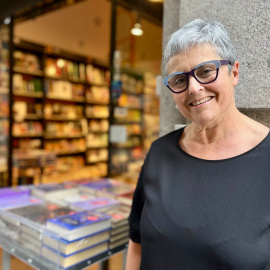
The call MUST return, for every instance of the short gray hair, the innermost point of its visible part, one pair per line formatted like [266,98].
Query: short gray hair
[199,32]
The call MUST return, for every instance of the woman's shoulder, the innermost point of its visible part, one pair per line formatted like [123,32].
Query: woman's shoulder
[171,138]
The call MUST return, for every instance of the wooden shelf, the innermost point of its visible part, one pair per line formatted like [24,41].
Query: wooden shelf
[62,118]
[64,78]
[28,135]
[97,102]
[29,94]
[27,71]
[75,152]
[74,99]
[63,137]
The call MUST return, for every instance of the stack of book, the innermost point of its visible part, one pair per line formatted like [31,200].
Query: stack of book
[54,191]
[12,199]
[120,227]
[74,238]
[107,187]
[33,219]
[95,204]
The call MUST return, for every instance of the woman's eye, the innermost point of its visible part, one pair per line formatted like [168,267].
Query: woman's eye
[179,81]
[206,71]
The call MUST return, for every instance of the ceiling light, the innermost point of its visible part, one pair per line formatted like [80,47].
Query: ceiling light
[137,29]
[7,20]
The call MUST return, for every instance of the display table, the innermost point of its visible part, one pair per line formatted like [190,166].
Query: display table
[37,262]
[10,230]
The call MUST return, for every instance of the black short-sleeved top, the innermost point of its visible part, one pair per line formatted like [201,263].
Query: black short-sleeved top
[195,214]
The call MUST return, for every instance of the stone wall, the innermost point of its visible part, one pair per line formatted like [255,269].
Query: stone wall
[248,24]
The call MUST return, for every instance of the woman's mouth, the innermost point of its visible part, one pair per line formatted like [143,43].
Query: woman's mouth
[200,101]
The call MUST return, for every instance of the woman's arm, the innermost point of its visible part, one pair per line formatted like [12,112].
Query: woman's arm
[133,256]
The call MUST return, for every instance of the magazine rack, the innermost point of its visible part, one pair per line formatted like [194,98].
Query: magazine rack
[11,229]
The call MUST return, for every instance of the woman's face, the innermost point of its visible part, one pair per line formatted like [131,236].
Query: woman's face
[218,95]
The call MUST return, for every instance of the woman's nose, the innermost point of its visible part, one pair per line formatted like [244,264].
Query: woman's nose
[194,86]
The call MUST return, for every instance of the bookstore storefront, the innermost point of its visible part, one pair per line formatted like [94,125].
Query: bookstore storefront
[78,113]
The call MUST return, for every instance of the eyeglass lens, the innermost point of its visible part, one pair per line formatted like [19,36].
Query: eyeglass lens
[204,74]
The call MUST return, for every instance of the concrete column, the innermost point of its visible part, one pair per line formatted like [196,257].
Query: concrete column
[248,24]
[169,115]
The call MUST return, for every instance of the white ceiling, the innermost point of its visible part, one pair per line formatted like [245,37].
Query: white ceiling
[84,28]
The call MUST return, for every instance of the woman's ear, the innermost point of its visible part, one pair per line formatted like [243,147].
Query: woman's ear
[235,73]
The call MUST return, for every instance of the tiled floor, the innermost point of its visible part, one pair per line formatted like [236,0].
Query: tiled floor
[115,263]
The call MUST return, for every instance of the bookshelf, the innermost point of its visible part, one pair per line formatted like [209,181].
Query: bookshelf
[60,104]
[4,108]
[128,115]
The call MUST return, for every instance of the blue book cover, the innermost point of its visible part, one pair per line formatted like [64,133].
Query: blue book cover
[78,220]
[99,184]
[16,202]
[95,204]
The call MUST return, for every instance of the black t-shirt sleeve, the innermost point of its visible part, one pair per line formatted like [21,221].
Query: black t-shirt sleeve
[136,210]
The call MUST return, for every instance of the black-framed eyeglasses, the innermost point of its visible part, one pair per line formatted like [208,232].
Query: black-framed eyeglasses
[204,73]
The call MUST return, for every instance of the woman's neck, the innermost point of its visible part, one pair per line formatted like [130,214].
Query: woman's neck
[214,132]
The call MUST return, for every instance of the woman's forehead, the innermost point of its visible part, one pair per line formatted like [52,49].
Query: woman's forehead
[187,60]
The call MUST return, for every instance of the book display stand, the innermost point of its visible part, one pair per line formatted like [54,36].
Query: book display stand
[40,256]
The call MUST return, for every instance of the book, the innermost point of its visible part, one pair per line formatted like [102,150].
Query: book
[119,215]
[78,225]
[8,192]
[80,197]
[68,247]
[92,186]
[29,239]
[75,258]
[121,229]
[25,243]
[41,212]
[33,218]
[54,191]
[116,190]
[95,204]
[18,202]
[119,236]
[126,198]
[119,243]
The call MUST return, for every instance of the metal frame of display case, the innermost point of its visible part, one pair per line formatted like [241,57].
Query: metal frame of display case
[10,231]
[34,261]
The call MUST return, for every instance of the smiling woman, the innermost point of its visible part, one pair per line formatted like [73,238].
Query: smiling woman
[201,202]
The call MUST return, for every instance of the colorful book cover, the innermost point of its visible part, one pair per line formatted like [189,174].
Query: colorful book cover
[42,212]
[116,190]
[93,186]
[75,226]
[7,192]
[95,204]
[19,202]
[78,220]
[119,215]
[126,198]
